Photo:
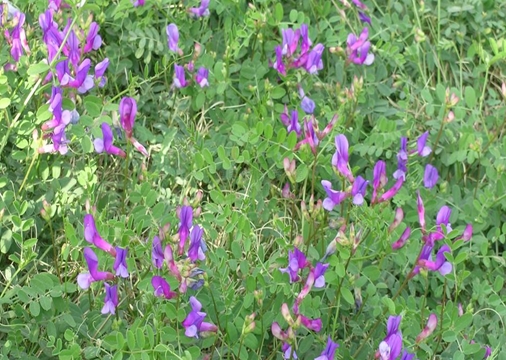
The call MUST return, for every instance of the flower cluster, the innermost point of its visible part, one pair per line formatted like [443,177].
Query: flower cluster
[16,38]
[297,262]
[306,57]
[84,280]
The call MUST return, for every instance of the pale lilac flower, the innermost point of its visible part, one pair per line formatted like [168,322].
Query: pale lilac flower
[358,190]
[334,197]
[111,299]
[157,255]
[319,275]
[202,10]
[172,37]
[179,77]
[162,288]
[92,236]
[194,322]
[120,265]
[197,245]
[314,60]
[430,176]
[423,149]
[201,77]
[84,280]
[105,144]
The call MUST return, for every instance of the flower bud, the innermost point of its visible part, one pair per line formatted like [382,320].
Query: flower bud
[299,241]
[429,328]
[450,117]
[285,311]
[399,216]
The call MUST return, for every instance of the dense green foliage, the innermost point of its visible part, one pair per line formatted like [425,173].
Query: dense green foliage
[226,143]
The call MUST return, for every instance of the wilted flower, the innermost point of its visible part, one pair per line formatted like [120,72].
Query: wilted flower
[399,216]
[111,299]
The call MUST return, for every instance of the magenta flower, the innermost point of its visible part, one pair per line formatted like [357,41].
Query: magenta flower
[202,10]
[93,40]
[423,149]
[278,64]
[429,328]
[137,3]
[334,197]
[319,275]
[359,4]
[430,176]
[329,352]
[185,224]
[402,240]
[179,77]
[306,41]
[84,280]
[201,77]
[194,322]
[311,324]
[421,212]
[162,288]
[111,299]
[127,112]
[290,41]
[296,261]
[197,245]
[105,144]
[390,193]
[358,190]
[390,348]
[358,48]
[467,234]
[172,37]
[314,59]
[120,265]
[92,236]
[444,267]
[379,178]
[157,256]
[340,158]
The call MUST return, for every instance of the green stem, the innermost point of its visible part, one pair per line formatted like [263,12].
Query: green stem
[440,337]
[55,252]
[440,132]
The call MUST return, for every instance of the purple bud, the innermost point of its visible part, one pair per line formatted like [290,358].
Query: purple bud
[430,176]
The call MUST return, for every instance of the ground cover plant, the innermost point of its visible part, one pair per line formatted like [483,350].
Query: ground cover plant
[224,179]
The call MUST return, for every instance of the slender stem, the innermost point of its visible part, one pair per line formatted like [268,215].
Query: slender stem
[338,295]
[438,135]
[441,319]
[55,252]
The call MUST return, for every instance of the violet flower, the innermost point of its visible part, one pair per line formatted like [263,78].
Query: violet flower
[306,41]
[197,245]
[390,193]
[172,37]
[402,240]
[402,160]
[358,48]
[84,280]
[340,158]
[425,254]
[162,288]
[364,18]
[379,178]
[430,176]
[201,77]
[290,41]
[179,77]
[127,112]
[157,255]
[334,197]
[423,149]
[329,352]
[444,267]
[194,322]
[296,261]
[105,144]
[120,265]
[294,124]
[278,64]
[407,356]
[137,3]
[73,52]
[100,69]
[306,103]
[390,348]
[358,190]
[314,60]
[92,236]
[111,299]
[202,10]
[443,217]
[319,275]
[185,224]
[93,40]
[17,39]
[467,234]
[288,352]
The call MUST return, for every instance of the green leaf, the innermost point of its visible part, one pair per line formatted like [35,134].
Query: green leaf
[301,173]
[470,97]
[38,68]
[347,295]
[4,102]
[34,308]
[278,12]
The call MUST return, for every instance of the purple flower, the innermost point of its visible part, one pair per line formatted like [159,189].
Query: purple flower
[202,10]
[467,234]
[443,217]
[319,272]
[402,160]
[162,288]
[105,144]
[423,150]
[201,77]
[92,236]
[120,265]
[358,190]
[157,256]
[329,352]
[444,267]
[278,64]
[430,176]
[429,329]
[311,324]
[340,158]
[402,240]
[314,59]
[73,53]
[296,261]
[93,40]
[306,104]
[379,178]
[84,280]
[364,18]
[172,37]
[185,224]
[306,41]
[334,197]
[179,77]
[111,299]
[100,69]
[358,48]
[197,245]
[194,322]
[137,3]
[294,124]
[17,39]
[407,356]
[390,193]
[421,212]
[288,352]
[52,37]
[290,41]
[127,112]
[359,4]
[390,348]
